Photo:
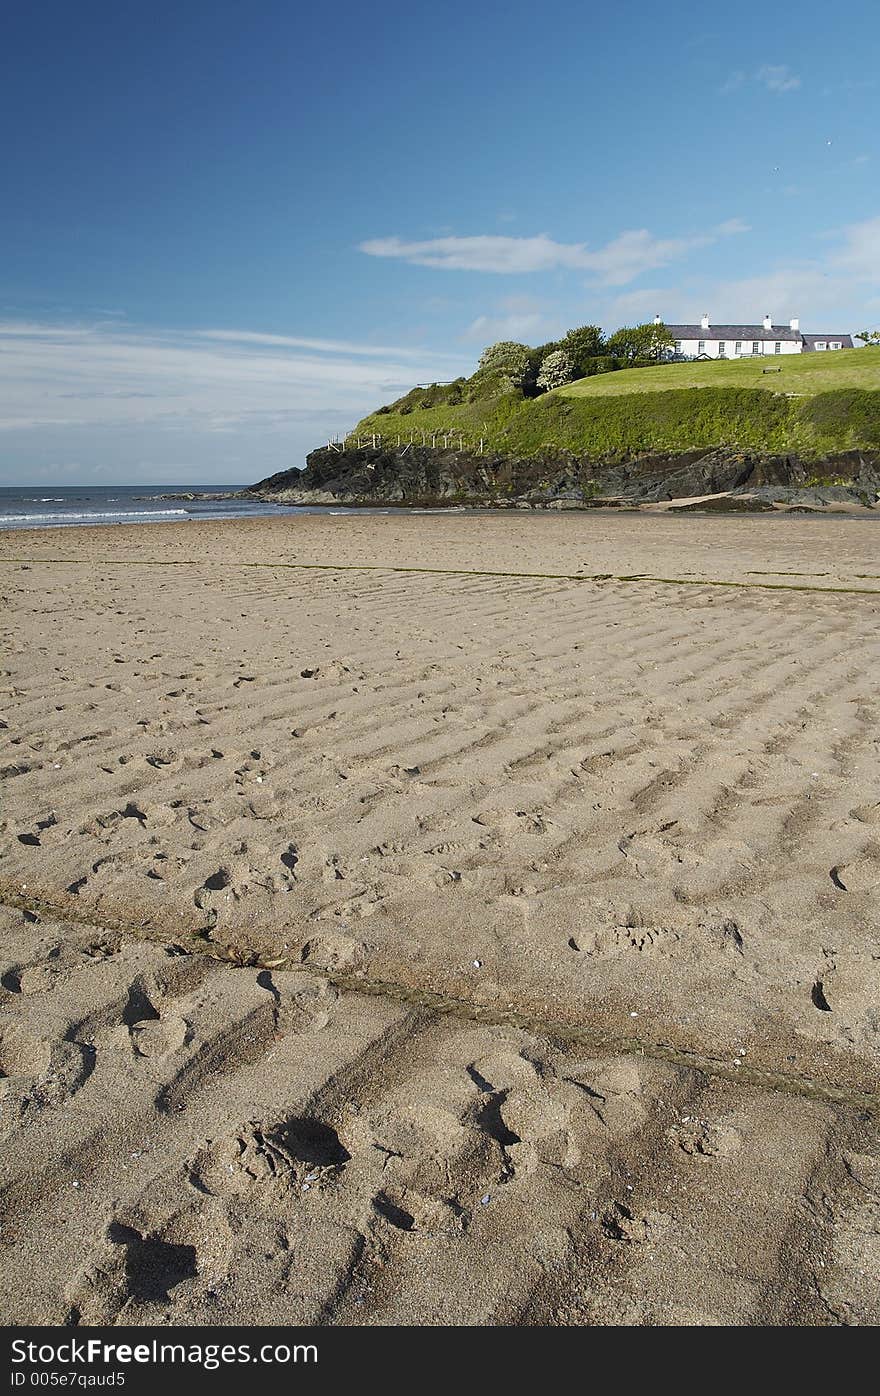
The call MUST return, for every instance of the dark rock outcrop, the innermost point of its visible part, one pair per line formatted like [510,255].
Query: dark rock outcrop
[419,476]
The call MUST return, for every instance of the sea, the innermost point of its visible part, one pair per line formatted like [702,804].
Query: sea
[36,506]
[49,506]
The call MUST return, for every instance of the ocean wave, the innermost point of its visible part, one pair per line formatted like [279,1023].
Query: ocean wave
[106,515]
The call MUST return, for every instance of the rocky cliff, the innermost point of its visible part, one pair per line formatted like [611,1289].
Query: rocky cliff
[419,476]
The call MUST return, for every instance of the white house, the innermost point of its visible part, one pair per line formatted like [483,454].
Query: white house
[707,341]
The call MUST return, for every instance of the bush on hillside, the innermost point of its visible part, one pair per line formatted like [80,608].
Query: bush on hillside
[602,363]
[582,345]
[846,415]
[506,360]
[647,342]
[556,370]
[530,377]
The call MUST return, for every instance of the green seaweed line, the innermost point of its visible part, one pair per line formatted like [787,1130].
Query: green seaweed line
[448,1005]
[451,572]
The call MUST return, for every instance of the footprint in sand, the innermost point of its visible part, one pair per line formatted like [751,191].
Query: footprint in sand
[45,830]
[39,1071]
[705,1138]
[279,1156]
[333,952]
[159,1037]
[861,875]
[513,821]
[251,871]
[622,1223]
[141,1262]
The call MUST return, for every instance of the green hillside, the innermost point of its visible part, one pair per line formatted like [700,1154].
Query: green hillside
[818,404]
[799,373]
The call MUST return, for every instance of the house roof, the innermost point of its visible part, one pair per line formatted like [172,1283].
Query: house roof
[734,332]
[844,340]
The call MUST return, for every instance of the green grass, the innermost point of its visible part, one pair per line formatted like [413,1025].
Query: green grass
[817,405]
[807,374]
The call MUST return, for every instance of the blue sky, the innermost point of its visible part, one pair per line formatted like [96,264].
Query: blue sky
[228,230]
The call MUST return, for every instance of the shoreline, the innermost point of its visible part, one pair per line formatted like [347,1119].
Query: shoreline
[677,507]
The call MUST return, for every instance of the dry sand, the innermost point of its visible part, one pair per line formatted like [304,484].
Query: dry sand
[421,946]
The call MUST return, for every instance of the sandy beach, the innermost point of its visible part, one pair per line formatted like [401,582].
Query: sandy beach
[441,919]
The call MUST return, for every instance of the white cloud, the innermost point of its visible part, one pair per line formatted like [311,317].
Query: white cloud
[24,329]
[625,257]
[484,253]
[832,291]
[777,77]
[168,406]
[322,346]
[519,318]
[859,255]
[109,376]
[731,226]
[487,329]
[634,307]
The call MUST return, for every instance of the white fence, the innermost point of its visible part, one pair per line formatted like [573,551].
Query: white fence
[399,441]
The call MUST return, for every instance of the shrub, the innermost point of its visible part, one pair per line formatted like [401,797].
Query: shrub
[556,370]
[505,360]
[845,415]
[602,363]
[582,346]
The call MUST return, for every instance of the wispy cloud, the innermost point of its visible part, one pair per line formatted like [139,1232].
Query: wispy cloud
[516,317]
[775,77]
[830,291]
[321,346]
[108,376]
[619,261]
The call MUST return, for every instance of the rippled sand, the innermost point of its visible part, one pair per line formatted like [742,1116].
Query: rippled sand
[441,919]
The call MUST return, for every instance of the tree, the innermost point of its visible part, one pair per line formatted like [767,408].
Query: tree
[624,343]
[507,359]
[648,341]
[581,345]
[530,377]
[556,370]
[869,336]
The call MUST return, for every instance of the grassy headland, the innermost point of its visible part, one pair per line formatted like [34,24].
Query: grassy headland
[817,405]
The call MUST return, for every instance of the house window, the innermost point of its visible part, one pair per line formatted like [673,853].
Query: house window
[701,347]
[820,344]
[678,346]
[756,347]
[835,344]
[777,348]
[739,347]
[722,348]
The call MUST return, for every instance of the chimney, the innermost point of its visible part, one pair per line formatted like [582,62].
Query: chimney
[795,324]
[657,320]
[768,323]
[704,323]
